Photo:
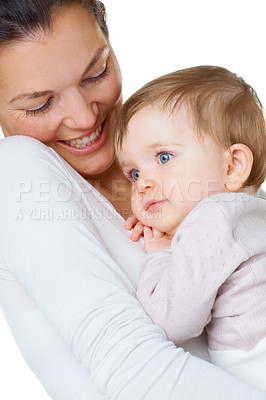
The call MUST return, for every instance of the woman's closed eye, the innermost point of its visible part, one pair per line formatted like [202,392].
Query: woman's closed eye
[41,110]
[97,77]
[45,107]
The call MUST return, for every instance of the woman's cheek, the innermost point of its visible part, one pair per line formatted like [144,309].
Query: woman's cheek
[114,85]
[36,128]
[115,93]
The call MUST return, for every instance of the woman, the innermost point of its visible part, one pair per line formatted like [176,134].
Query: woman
[68,269]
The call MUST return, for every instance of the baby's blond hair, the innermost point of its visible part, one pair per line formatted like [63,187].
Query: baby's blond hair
[222,105]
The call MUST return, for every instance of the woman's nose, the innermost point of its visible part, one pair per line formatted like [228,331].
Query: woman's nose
[81,114]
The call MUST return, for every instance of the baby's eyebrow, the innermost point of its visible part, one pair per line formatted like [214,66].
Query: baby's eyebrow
[126,165]
[122,164]
[163,144]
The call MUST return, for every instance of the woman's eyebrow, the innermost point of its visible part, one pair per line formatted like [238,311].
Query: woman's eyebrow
[35,95]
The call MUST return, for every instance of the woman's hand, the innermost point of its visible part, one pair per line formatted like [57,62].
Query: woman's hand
[133,223]
[155,240]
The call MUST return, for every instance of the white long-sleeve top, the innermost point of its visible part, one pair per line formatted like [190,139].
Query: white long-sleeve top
[67,288]
[213,276]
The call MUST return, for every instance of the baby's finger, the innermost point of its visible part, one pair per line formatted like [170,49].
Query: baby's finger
[137,232]
[147,233]
[131,222]
[157,234]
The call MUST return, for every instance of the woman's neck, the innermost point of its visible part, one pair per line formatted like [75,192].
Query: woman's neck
[113,185]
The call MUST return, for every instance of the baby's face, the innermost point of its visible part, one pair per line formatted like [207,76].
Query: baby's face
[170,170]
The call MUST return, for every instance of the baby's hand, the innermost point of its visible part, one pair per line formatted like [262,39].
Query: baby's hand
[155,240]
[133,223]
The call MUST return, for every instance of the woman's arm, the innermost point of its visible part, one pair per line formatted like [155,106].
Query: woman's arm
[64,266]
[56,368]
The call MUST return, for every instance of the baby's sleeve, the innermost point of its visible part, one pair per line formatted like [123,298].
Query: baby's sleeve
[178,288]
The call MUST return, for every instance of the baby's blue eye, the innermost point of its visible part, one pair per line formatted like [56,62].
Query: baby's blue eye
[135,175]
[164,157]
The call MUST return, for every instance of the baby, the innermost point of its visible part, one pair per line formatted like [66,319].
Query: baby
[193,144]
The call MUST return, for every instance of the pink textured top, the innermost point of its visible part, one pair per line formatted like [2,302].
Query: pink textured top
[213,276]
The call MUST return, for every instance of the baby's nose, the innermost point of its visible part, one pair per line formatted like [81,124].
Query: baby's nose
[145,184]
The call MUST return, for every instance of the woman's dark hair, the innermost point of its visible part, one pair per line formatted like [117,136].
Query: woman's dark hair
[19,19]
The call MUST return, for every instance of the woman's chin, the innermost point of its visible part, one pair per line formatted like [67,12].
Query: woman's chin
[101,167]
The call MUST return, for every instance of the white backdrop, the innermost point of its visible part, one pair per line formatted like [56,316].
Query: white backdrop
[151,38]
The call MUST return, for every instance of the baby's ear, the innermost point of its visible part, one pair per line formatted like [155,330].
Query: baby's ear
[239,163]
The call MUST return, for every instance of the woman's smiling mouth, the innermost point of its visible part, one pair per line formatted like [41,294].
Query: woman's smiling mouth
[85,140]
[87,143]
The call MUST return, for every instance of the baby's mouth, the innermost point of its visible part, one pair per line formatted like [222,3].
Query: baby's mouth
[155,205]
[85,141]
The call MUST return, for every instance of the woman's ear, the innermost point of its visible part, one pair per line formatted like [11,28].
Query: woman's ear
[239,164]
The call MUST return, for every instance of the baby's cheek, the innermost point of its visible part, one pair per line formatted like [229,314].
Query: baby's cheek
[138,209]
[136,206]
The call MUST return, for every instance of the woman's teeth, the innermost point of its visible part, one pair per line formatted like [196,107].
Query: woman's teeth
[86,140]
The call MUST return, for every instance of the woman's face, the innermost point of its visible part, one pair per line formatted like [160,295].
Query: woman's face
[64,89]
